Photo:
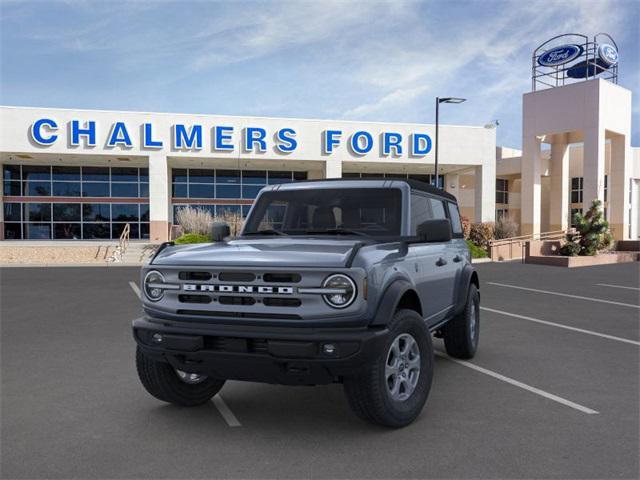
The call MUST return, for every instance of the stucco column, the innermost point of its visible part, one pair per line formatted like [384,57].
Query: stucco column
[531,186]
[485,192]
[618,191]
[332,168]
[452,184]
[159,197]
[593,167]
[559,196]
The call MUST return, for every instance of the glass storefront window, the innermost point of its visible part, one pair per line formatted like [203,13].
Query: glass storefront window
[37,189]
[12,212]
[70,231]
[124,189]
[37,212]
[124,212]
[128,174]
[11,172]
[12,189]
[96,212]
[66,173]
[66,189]
[95,174]
[36,172]
[66,212]
[95,189]
[197,190]
[96,231]
[37,231]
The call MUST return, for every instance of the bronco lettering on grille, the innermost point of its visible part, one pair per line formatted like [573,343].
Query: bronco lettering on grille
[262,289]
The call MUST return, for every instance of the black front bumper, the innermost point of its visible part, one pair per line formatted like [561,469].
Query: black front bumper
[283,355]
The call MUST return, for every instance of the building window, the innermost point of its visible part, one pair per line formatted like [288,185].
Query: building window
[502,190]
[502,213]
[606,187]
[573,212]
[66,214]
[576,190]
[63,181]
[202,185]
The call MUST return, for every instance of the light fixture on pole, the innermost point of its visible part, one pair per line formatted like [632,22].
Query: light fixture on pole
[438,102]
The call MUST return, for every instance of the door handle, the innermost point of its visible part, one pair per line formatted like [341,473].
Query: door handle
[441,262]
[457,258]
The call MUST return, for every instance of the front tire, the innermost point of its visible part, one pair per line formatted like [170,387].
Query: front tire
[174,386]
[393,389]
[461,334]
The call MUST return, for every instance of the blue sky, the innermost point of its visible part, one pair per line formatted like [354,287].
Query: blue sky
[367,60]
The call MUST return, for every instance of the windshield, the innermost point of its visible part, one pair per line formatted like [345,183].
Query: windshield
[374,212]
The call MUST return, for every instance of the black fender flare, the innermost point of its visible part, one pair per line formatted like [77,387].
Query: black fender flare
[389,302]
[467,277]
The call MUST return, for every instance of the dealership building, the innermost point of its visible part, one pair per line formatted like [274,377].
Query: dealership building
[86,174]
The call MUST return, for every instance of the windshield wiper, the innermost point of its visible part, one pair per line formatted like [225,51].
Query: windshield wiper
[337,231]
[267,231]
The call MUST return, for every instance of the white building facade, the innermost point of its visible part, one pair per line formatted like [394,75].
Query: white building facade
[85,174]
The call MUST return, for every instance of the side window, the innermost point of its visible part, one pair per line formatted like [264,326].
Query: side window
[454,215]
[420,211]
[437,207]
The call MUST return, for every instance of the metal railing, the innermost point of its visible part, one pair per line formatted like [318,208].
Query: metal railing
[123,244]
[514,247]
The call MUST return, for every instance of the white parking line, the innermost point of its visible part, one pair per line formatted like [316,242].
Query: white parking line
[524,386]
[617,286]
[590,299]
[566,327]
[226,412]
[135,289]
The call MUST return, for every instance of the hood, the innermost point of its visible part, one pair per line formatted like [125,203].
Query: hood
[276,252]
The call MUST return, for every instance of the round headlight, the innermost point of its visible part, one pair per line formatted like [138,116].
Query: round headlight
[151,290]
[345,291]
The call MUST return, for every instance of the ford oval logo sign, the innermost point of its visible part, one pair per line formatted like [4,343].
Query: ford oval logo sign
[560,55]
[608,54]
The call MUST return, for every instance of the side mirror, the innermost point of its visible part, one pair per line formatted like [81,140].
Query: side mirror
[220,231]
[435,230]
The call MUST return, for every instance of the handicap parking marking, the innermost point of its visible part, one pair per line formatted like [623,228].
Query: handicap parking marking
[226,412]
[558,325]
[524,386]
[579,297]
[135,289]
[617,286]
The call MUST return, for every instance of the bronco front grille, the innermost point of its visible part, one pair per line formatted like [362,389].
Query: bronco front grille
[256,315]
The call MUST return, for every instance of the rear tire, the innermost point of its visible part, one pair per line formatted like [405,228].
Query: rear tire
[164,382]
[380,393]
[461,334]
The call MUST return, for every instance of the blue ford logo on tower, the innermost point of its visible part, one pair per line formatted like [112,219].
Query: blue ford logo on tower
[608,54]
[560,55]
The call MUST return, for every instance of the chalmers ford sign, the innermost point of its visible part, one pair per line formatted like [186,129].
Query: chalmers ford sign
[46,132]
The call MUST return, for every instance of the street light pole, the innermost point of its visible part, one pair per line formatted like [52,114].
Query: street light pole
[438,102]
[435,181]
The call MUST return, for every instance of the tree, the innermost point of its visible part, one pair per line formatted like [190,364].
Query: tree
[591,235]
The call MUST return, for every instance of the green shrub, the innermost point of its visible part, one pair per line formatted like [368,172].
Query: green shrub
[192,238]
[591,235]
[482,233]
[476,251]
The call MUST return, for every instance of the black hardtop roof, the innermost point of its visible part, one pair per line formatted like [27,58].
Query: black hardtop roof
[414,184]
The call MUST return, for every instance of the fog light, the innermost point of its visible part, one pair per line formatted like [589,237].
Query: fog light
[157,338]
[329,348]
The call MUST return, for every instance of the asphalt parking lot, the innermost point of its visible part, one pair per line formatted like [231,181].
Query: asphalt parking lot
[552,393]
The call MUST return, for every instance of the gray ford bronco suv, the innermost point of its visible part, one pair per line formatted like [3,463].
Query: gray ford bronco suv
[330,281]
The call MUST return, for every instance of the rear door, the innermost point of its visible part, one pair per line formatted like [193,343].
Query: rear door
[431,268]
